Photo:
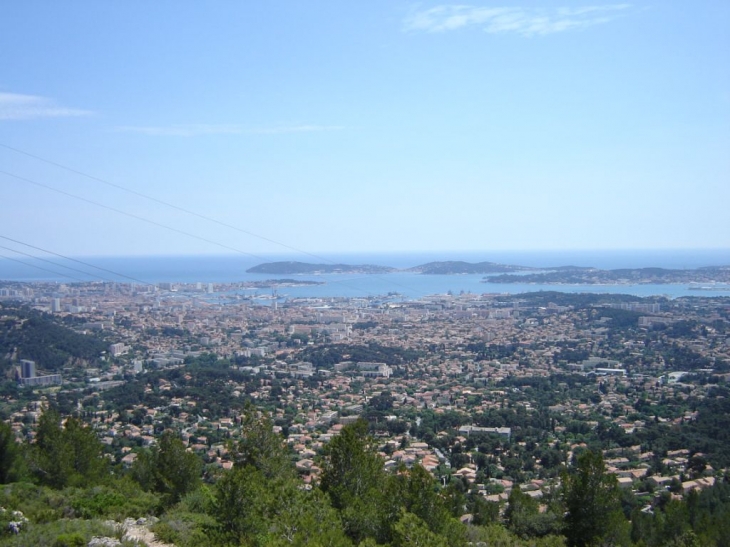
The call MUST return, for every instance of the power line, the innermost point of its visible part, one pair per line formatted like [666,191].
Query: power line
[137,217]
[77,261]
[54,263]
[165,203]
[41,268]
[183,210]
[131,215]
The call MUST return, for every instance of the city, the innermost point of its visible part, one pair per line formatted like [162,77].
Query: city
[493,392]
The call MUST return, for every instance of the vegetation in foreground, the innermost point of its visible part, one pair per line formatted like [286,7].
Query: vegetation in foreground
[65,488]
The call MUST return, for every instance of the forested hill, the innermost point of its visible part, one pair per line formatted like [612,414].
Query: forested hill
[30,334]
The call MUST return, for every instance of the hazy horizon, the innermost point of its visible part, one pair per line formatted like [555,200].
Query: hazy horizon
[602,259]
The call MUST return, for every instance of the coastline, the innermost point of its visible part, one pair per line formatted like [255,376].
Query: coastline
[227,269]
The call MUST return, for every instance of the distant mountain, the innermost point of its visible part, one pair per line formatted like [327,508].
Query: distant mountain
[459,267]
[291,268]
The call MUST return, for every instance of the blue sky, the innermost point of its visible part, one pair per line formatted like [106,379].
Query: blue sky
[365,126]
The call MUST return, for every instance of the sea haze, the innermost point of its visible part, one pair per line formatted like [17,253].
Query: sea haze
[232,268]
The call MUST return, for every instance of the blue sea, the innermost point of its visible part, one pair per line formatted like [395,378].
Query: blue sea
[232,268]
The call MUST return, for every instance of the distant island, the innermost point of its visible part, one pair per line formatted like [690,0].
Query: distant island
[454,267]
[291,268]
[623,276]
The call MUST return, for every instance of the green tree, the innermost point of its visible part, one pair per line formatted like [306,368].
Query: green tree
[483,512]
[68,455]
[497,535]
[420,497]
[253,509]
[48,454]
[178,470]
[261,500]
[411,531]
[88,465]
[352,467]
[241,498]
[353,477]
[524,518]
[9,455]
[261,447]
[168,469]
[593,502]
[304,518]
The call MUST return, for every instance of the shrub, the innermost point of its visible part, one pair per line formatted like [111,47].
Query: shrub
[60,533]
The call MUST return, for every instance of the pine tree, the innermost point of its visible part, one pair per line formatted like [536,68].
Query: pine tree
[71,455]
[168,469]
[593,502]
[9,454]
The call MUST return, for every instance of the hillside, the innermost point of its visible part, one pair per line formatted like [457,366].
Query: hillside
[30,334]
